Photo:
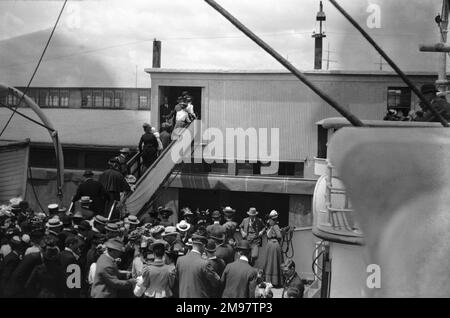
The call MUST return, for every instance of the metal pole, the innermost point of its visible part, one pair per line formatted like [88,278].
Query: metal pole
[344,112]
[443,121]
[441,83]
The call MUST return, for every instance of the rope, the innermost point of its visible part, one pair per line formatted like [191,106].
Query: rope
[286,237]
[35,69]
[315,259]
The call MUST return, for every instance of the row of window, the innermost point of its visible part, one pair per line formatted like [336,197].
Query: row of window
[90,98]
[293,169]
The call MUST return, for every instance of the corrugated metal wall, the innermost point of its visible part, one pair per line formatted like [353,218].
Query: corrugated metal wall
[278,100]
[13,169]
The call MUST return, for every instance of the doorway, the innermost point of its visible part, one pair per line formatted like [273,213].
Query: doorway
[168,96]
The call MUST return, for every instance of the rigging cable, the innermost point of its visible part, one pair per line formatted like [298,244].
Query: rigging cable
[35,70]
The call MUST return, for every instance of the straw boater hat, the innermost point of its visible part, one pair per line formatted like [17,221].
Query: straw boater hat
[53,222]
[100,219]
[228,210]
[157,229]
[52,208]
[170,230]
[273,214]
[112,227]
[252,212]
[85,200]
[132,219]
[183,226]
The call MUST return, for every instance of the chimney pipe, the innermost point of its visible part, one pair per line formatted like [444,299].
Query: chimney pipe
[156,54]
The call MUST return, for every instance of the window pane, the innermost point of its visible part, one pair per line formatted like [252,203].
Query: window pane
[86,98]
[54,98]
[107,100]
[64,98]
[118,99]
[98,99]
[33,93]
[43,98]
[143,99]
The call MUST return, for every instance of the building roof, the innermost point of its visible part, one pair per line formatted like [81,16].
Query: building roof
[283,71]
[96,127]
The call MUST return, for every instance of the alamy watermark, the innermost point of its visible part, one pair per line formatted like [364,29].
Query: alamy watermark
[374,19]
[234,144]
[373,280]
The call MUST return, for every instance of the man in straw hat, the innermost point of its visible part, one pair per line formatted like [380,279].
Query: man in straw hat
[85,207]
[94,190]
[252,228]
[183,228]
[108,280]
[239,279]
[195,275]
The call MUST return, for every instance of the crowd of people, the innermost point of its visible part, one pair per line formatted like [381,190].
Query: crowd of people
[92,250]
[79,255]
[424,114]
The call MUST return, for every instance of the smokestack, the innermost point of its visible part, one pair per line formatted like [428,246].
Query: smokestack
[318,48]
[156,54]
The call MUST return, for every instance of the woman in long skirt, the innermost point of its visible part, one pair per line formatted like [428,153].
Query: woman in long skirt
[274,257]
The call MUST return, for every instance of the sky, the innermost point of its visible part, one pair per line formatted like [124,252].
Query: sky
[109,42]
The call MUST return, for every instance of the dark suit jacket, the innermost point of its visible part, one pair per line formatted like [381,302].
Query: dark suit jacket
[96,191]
[239,280]
[8,266]
[219,266]
[21,275]
[296,282]
[107,281]
[256,227]
[215,230]
[196,277]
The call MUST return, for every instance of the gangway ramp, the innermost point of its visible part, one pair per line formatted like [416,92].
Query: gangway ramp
[152,180]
